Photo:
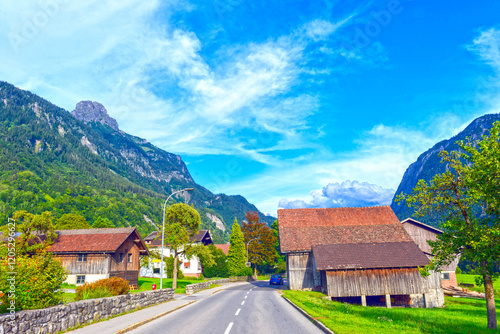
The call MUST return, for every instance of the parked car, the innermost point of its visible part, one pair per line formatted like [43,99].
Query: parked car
[276,279]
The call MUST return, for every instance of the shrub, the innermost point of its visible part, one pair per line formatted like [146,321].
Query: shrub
[106,287]
[37,282]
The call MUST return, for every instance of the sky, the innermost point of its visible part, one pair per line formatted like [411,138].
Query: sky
[288,103]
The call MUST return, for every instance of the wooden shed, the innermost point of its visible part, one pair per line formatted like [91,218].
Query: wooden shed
[363,254]
[421,233]
[93,254]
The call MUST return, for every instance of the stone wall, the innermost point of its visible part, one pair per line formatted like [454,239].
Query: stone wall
[193,288]
[61,317]
[241,279]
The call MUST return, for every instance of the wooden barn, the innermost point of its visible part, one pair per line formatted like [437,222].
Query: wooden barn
[361,255]
[421,233]
[93,254]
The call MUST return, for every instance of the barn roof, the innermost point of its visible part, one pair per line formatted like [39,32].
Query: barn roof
[368,256]
[421,225]
[300,229]
[106,240]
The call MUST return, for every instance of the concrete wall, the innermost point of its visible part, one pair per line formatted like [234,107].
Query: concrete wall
[193,288]
[61,317]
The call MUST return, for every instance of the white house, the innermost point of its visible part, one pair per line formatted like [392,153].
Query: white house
[191,267]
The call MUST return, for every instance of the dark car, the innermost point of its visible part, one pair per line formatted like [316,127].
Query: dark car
[276,279]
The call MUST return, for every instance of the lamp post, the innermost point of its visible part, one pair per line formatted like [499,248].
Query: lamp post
[163,232]
[249,243]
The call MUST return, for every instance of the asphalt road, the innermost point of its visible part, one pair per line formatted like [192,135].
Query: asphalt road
[255,308]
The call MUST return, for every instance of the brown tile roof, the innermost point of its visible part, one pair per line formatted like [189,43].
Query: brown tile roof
[92,240]
[223,247]
[368,256]
[300,229]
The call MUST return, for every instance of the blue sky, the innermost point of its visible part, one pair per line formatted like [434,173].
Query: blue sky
[288,103]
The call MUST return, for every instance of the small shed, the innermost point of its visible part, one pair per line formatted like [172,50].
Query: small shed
[362,254]
[421,233]
[93,254]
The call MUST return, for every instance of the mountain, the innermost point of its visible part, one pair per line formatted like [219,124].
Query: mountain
[53,160]
[428,164]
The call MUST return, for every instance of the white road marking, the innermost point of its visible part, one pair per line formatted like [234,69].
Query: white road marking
[228,329]
[246,297]
[243,302]
[238,312]
[248,292]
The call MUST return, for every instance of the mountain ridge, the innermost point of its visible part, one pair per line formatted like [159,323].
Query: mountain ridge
[85,157]
[428,164]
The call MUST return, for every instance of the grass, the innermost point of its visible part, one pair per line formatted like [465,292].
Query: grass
[146,284]
[471,279]
[461,315]
[68,297]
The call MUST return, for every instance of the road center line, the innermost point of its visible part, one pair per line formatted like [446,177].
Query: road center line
[248,292]
[243,302]
[228,329]
[238,312]
[246,297]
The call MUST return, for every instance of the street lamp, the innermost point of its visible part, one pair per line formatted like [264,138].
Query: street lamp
[163,232]
[247,246]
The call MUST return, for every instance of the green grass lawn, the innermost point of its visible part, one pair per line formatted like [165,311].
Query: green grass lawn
[146,283]
[461,315]
[471,279]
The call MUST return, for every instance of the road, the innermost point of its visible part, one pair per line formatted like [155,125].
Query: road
[254,308]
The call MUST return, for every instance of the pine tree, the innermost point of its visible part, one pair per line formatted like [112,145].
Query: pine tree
[236,256]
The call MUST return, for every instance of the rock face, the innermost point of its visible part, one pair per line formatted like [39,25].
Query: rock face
[89,111]
[429,164]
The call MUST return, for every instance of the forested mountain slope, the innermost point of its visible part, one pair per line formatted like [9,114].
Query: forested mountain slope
[82,163]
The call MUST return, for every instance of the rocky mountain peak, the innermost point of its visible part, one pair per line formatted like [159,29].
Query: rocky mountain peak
[89,111]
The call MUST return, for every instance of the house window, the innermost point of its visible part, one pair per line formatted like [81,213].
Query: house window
[187,265]
[156,270]
[82,257]
[120,257]
[129,258]
[80,279]
[445,276]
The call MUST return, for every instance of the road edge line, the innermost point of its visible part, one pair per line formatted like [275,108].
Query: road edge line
[316,322]
[143,322]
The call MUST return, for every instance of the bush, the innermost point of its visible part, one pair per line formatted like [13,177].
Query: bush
[106,287]
[37,282]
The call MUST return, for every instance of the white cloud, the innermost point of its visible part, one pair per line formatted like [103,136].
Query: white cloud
[487,46]
[345,194]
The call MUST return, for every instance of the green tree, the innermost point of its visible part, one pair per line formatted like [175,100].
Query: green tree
[280,265]
[37,231]
[261,241]
[182,222]
[219,268]
[236,256]
[101,222]
[467,196]
[70,221]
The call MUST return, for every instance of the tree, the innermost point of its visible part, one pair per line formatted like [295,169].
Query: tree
[219,268]
[70,221]
[236,255]
[37,231]
[467,196]
[182,222]
[280,261]
[262,240]
[102,223]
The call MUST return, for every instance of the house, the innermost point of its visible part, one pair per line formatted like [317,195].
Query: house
[421,233]
[191,267]
[361,255]
[93,254]
[223,247]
